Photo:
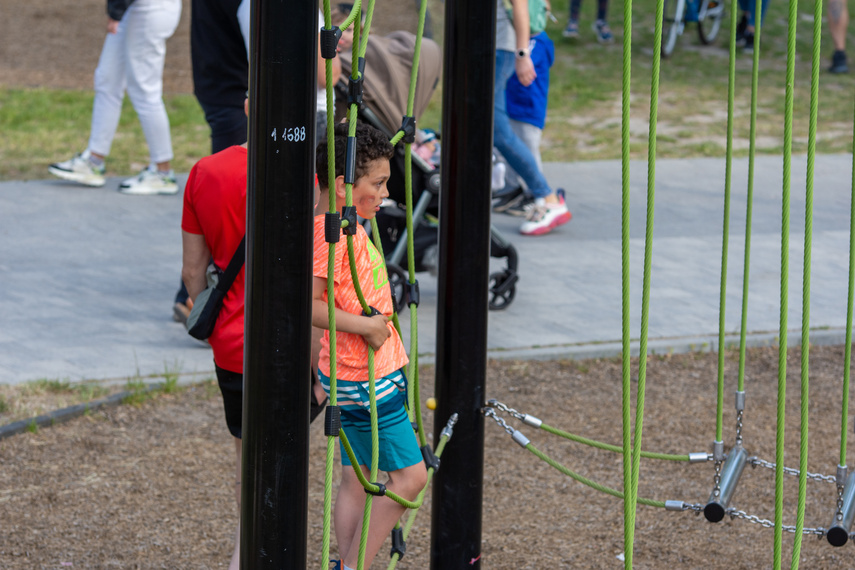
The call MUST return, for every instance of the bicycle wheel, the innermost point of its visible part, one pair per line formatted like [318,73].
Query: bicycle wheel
[672,24]
[709,20]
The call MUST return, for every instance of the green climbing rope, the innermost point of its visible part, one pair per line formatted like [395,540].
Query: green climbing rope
[631,492]
[610,447]
[805,357]
[628,507]
[359,48]
[412,518]
[585,481]
[725,233]
[847,354]
[785,268]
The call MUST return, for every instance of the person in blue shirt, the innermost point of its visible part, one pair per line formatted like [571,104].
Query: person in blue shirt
[526,105]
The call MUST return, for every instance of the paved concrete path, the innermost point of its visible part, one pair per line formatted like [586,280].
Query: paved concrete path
[87,276]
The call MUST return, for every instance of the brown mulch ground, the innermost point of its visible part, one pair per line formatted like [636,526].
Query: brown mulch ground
[150,486]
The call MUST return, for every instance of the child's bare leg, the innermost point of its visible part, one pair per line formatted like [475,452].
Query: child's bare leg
[407,483]
[235,562]
[349,506]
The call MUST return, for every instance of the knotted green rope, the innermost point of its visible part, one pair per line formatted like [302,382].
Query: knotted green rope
[785,253]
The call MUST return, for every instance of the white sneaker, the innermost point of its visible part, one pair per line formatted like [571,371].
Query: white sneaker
[542,218]
[79,169]
[150,181]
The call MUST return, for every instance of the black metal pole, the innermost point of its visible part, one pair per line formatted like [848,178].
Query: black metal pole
[277,352]
[464,242]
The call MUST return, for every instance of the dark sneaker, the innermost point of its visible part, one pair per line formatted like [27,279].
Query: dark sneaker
[520,206]
[838,62]
[505,199]
[740,29]
[603,32]
[749,43]
[572,30]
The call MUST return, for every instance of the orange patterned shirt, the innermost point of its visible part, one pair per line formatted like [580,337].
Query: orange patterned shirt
[351,349]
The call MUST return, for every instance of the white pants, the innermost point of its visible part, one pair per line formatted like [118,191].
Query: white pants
[132,59]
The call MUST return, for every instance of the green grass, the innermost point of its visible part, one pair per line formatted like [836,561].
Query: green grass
[138,392]
[40,126]
[78,392]
[4,405]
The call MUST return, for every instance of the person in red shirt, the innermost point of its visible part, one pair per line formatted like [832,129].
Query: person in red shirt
[213,224]
[399,454]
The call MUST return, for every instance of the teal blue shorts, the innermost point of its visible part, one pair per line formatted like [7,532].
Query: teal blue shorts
[398,447]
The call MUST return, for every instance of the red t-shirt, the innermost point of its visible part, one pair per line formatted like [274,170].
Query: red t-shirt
[351,349]
[215,207]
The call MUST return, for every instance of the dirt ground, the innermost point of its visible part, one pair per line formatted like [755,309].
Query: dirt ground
[151,486]
[70,35]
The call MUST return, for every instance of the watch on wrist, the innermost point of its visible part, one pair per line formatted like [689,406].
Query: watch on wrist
[522,52]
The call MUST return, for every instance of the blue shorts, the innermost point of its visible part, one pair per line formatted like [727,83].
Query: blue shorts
[398,447]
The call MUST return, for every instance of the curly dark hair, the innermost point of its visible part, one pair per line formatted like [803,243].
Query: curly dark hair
[371,144]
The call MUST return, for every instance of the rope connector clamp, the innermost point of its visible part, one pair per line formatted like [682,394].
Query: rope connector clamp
[431,460]
[354,91]
[408,127]
[395,306]
[399,545]
[332,227]
[329,42]
[411,293]
[373,312]
[332,421]
[380,492]
[348,220]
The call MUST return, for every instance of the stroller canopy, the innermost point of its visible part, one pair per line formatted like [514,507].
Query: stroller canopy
[388,67]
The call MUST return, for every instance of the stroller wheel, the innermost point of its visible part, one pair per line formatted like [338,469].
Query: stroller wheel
[502,289]
[397,280]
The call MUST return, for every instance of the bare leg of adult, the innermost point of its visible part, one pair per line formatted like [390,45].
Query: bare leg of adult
[235,562]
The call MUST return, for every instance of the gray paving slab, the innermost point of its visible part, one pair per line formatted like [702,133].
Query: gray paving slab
[87,275]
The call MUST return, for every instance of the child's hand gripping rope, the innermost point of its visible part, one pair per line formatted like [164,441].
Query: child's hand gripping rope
[375,331]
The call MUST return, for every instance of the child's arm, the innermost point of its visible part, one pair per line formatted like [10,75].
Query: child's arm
[372,329]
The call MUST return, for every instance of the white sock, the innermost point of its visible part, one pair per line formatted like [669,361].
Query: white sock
[345,566]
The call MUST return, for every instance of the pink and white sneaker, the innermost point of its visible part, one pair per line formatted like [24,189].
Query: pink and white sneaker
[542,218]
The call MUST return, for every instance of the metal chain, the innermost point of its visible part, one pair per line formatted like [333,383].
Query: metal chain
[491,413]
[502,407]
[756,461]
[739,428]
[766,523]
[717,480]
[838,516]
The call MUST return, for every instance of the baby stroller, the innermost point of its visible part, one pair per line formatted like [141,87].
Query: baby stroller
[386,82]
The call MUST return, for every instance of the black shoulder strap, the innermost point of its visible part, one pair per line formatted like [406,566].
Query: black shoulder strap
[232,270]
